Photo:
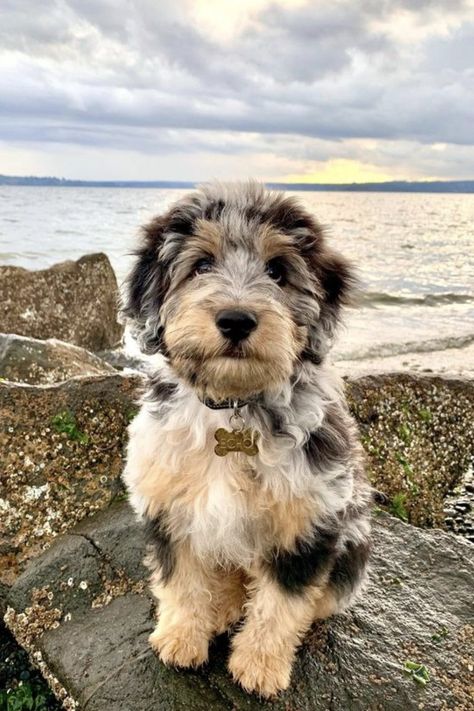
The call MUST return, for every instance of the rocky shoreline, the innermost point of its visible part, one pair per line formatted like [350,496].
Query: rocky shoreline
[64,410]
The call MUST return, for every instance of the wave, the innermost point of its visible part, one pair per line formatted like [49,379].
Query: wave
[374,298]
[390,349]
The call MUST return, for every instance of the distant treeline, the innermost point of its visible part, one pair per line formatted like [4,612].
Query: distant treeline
[66,183]
[393,186]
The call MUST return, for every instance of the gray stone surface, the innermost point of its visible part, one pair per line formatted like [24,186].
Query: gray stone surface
[121,360]
[82,611]
[29,360]
[72,301]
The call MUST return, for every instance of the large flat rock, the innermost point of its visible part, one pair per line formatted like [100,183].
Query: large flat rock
[72,301]
[82,612]
[35,362]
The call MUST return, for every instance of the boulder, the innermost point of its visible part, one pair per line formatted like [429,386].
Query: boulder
[82,611]
[61,456]
[29,360]
[72,301]
[417,433]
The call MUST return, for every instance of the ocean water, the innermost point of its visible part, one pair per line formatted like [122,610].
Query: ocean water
[414,253]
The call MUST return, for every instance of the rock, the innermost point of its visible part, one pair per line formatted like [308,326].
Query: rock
[72,301]
[19,680]
[82,612]
[417,433]
[61,456]
[121,360]
[459,506]
[3,598]
[16,668]
[29,360]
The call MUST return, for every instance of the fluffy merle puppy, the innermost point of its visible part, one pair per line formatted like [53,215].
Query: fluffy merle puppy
[238,294]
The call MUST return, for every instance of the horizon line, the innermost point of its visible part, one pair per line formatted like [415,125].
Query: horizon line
[426,185]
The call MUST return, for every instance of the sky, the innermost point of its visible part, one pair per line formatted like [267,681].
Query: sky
[280,90]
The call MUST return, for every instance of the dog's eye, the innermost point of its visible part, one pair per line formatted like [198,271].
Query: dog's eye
[276,270]
[203,265]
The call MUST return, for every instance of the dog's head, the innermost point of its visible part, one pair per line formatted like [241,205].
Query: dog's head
[235,285]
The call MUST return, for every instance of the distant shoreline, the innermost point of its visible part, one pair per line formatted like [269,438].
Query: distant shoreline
[394,186]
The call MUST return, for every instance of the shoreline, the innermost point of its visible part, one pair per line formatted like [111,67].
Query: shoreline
[453,362]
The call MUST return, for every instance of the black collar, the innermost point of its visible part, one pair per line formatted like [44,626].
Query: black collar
[229,404]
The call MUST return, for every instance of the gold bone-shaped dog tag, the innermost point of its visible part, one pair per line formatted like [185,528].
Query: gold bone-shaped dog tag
[236,441]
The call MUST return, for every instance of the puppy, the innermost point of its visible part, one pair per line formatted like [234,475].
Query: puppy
[243,462]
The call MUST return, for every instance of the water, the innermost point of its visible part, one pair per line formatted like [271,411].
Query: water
[415,253]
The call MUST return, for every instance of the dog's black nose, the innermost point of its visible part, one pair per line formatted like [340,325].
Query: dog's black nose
[236,325]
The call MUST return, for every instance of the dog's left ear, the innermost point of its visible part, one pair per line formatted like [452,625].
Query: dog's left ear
[146,287]
[339,285]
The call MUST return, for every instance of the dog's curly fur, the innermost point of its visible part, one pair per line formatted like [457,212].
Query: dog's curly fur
[271,542]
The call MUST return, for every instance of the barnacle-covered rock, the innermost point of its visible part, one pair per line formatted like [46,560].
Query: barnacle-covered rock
[417,433]
[61,457]
[72,301]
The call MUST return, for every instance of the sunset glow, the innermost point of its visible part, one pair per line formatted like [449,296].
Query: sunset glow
[341,170]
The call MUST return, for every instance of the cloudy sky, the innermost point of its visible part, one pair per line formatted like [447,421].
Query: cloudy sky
[292,90]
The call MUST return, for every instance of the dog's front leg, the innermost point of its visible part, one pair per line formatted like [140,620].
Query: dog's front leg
[186,618]
[264,650]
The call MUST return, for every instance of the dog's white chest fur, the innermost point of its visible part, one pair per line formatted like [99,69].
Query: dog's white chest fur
[211,502]
[221,525]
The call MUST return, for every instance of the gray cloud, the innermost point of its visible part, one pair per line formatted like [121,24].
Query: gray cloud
[133,74]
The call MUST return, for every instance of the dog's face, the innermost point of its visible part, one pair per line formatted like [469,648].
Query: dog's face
[235,285]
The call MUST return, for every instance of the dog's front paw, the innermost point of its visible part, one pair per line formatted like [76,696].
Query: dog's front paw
[259,671]
[180,646]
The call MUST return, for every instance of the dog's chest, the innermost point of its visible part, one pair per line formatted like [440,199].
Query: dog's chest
[225,506]
[230,518]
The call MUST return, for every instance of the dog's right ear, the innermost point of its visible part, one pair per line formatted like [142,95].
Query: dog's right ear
[146,288]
